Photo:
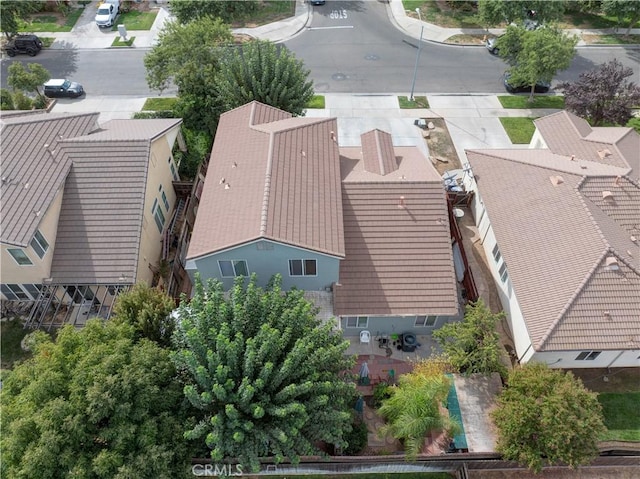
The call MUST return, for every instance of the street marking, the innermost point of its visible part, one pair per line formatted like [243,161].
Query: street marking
[329,28]
[338,14]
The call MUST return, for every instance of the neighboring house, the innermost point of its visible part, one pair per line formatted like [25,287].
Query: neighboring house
[363,230]
[560,225]
[85,210]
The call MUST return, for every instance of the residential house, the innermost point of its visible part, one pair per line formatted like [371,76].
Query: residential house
[85,209]
[560,225]
[364,231]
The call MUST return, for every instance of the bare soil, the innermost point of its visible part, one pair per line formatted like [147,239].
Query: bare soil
[605,472]
[441,149]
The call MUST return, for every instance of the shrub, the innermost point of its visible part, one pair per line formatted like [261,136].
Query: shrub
[358,438]
[22,101]
[6,100]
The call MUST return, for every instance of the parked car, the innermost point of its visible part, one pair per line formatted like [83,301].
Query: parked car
[29,44]
[317,2]
[107,13]
[540,87]
[60,88]
[490,43]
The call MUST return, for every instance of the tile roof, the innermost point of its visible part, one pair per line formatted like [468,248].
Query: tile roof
[567,134]
[398,248]
[377,152]
[554,239]
[34,168]
[271,176]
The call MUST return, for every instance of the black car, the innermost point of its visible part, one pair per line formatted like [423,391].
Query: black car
[29,44]
[541,87]
[63,88]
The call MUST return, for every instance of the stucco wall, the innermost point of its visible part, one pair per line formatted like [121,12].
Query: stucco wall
[387,325]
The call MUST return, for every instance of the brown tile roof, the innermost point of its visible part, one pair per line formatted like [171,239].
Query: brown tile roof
[377,152]
[271,176]
[554,240]
[566,134]
[32,173]
[398,249]
[100,222]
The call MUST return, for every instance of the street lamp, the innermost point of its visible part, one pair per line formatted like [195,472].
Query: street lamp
[415,70]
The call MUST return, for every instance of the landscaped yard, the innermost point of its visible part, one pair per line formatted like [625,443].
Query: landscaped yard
[519,129]
[159,104]
[417,102]
[11,334]
[117,42]
[316,102]
[522,102]
[268,11]
[621,416]
[50,22]
[136,20]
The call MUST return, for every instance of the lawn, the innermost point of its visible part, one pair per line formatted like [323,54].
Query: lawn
[159,104]
[520,130]
[47,41]
[522,102]
[611,39]
[135,20]
[117,42]
[418,102]
[49,22]
[621,416]
[316,102]
[267,12]
[11,334]
[432,12]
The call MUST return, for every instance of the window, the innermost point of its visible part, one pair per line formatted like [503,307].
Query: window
[80,294]
[173,169]
[425,321]
[33,290]
[496,254]
[503,272]
[302,267]
[357,321]
[164,198]
[232,268]
[20,256]
[156,211]
[39,244]
[588,355]
[13,292]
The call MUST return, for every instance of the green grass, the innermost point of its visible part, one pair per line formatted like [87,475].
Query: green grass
[135,20]
[621,416]
[47,41]
[11,333]
[418,102]
[49,23]
[634,123]
[407,475]
[159,104]
[317,101]
[611,39]
[520,102]
[267,12]
[520,130]
[117,42]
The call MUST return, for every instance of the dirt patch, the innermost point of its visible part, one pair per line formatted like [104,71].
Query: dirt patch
[615,380]
[604,472]
[443,153]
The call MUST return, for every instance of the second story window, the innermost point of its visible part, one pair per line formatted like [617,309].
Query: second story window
[20,256]
[302,267]
[156,211]
[39,244]
[164,198]
[232,268]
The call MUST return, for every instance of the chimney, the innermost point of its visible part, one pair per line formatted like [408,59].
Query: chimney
[401,202]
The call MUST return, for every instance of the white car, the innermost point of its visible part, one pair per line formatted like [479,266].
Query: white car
[107,13]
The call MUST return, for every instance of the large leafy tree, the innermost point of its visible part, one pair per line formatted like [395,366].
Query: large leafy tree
[494,12]
[603,95]
[268,73]
[28,79]
[545,416]
[473,344]
[188,56]
[228,10]
[265,374]
[536,55]
[93,404]
[413,409]
[148,310]
[11,11]
[623,10]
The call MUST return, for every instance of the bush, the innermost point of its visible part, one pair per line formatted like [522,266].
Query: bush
[6,100]
[22,101]
[198,146]
[358,438]
[381,391]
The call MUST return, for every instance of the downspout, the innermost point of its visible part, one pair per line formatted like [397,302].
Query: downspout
[525,353]
[615,359]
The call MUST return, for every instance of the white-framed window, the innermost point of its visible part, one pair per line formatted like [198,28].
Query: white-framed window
[303,267]
[504,275]
[496,254]
[174,173]
[20,256]
[233,268]
[80,294]
[425,321]
[357,321]
[39,244]
[156,211]
[164,198]
[33,290]
[588,355]
[13,292]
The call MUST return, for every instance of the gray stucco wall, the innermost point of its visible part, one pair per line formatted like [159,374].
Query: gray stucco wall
[266,258]
[381,325]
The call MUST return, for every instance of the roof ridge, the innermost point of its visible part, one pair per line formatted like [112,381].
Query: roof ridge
[315,121]
[264,214]
[583,200]
[533,165]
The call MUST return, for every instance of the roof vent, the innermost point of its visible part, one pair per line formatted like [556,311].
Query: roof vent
[607,315]
[234,165]
[333,136]
[573,157]
[612,263]
[556,180]
[604,154]
[633,238]
[607,195]
[222,181]
[303,153]
[227,186]
[616,182]
[401,202]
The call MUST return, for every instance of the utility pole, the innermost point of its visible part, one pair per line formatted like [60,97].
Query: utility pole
[415,70]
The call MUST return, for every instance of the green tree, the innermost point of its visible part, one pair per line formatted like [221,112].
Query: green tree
[536,55]
[494,12]
[148,310]
[6,100]
[188,10]
[265,374]
[545,416]
[12,11]
[188,56]
[268,73]
[623,10]
[28,79]
[473,344]
[95,404]
[414,408]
